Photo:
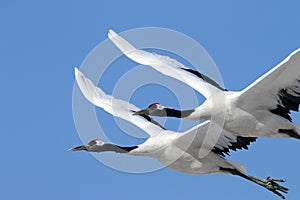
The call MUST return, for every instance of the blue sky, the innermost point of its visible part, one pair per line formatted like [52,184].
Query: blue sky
[41,42]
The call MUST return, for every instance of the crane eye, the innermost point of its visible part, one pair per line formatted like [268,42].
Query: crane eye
[160,107]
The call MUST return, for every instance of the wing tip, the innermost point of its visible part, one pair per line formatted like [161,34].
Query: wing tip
[111,33]
[77,73]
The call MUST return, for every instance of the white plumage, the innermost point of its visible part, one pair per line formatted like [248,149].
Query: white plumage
[262,109]
[178,151]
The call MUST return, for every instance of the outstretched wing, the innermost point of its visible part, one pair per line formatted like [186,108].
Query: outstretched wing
[116,107]
[278,90]
[194,139]
[167,66]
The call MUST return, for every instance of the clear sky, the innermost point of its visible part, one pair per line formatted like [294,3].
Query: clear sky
[41,42]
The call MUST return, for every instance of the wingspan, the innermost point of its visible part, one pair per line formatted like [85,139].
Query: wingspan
[278,90]
[116,107]
[167,66]
[194,139]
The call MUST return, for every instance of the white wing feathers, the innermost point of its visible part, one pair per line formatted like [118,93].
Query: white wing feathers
[264,91]
[167,66]
[192,139]
[116,107]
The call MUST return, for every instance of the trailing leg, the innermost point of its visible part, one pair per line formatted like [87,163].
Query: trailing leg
[268,183]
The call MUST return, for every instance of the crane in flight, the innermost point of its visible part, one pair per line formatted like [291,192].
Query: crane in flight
[177,151]
[261,109]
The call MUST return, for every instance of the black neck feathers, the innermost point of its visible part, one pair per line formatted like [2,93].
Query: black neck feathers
[178,113]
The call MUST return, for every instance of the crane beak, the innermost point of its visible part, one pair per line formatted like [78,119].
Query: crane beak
[142,112]
[79,148]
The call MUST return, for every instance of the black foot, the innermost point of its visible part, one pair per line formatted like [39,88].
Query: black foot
[272,185]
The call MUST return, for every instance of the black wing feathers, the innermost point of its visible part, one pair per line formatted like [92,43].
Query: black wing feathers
[241,143]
